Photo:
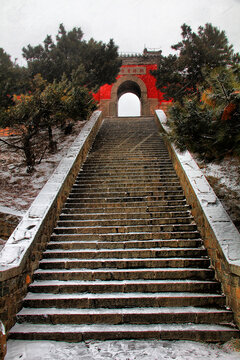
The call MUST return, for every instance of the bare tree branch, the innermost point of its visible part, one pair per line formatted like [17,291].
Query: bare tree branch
[12,145]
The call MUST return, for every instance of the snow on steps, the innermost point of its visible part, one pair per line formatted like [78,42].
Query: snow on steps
[111,273]
[196,332]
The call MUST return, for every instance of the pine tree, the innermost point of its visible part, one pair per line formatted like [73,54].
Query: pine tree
[91,63]
[210,126]
[182,74]
[13,79]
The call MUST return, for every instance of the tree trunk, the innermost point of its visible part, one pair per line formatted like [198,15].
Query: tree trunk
[29,154]
[52,144]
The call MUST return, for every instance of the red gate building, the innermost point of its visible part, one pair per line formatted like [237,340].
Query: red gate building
[134,77]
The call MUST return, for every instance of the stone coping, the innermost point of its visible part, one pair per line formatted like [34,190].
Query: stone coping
[18,247]
[220,223]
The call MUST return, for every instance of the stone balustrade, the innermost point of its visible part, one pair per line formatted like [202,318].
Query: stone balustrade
[221,238]
[23,250]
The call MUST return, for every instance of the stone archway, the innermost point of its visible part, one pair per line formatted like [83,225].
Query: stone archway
[134,85]
[135,73]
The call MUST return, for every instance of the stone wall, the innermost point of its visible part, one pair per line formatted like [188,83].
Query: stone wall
[220,236]
[23,251]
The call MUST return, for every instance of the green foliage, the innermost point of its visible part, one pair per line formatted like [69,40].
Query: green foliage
[79,103]
[21,117]
[48,105]
[91,63]
[210,127]
[57,86]
[203,80]
[182,74]
[192,127]
[13,79]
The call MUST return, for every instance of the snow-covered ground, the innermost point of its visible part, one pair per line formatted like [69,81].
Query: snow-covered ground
[224,177]
[227,172]
[118,350]
[18,188]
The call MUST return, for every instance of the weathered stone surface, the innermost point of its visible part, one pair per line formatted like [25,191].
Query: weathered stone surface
[220,235]
[125,251]
[23,250]
[105,264]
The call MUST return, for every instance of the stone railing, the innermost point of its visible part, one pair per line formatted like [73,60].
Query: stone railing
[23,250]
[220,236]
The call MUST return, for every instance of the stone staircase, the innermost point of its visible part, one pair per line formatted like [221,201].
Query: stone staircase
[125,260]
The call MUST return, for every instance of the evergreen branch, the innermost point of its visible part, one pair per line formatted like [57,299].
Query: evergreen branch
[224,90]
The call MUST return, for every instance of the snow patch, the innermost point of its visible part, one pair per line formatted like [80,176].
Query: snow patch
[117,350]
[11,211]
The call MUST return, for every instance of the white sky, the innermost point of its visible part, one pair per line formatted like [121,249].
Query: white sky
[133,24]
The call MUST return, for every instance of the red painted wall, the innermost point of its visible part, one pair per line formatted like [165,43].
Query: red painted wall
[149,80]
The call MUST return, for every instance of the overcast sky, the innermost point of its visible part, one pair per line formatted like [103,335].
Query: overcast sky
[133,24]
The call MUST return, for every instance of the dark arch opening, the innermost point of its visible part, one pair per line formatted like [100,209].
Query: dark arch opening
[129,87]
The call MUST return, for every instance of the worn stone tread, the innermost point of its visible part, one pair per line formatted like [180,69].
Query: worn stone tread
[196,332]
[125,260]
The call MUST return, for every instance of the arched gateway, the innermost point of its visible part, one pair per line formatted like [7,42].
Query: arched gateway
[134,77]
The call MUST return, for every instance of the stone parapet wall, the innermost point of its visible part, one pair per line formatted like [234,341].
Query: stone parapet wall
[139,60]
[220,236]
[23,250]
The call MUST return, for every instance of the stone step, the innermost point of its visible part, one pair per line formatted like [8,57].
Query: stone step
[77,333]
[104,159]
[125,229]
[91,189]
[126,216]
[124,197]
[134,166]
[126,259]
[151,194]
[126,202]
[137,244]
[127,177]
[149,164]
[75,209]
[126,172]
[125,274]
[163,315]
[123,222]
[150,286]
[126,237]
[116,184]
[61,262]
[127,183]
[125,253]
[155,181]
[119,300]
[100,159]
[163,172]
